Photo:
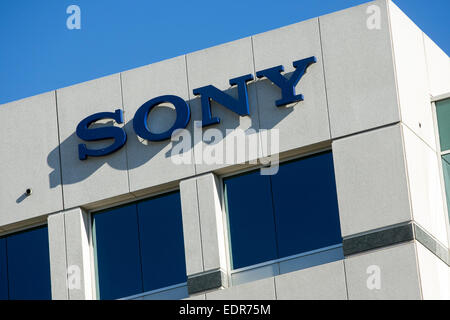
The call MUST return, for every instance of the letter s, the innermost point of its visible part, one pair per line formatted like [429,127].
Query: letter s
[95,134]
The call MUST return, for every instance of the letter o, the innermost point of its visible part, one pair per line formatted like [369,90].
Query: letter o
[140,118]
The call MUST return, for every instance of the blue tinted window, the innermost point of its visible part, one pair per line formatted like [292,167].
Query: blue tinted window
[446,171]
[250,217]
[305,202]
[162,244]
[3,271]
[291,212]
[117,252]
[28,265]
[139,247]
[443,117]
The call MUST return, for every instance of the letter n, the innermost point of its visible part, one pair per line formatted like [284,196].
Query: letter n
[239,106]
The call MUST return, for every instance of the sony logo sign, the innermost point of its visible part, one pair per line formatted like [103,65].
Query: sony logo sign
[183,112]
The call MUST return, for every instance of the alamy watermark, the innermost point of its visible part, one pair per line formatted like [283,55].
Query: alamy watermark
[373,21]
[373,282]
[74,20]
[234,146]
[74,277]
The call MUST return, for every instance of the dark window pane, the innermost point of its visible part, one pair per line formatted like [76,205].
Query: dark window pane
[29,265]
[117,252]
[3,271]
[250,217]
[162,244]
[443,117]
[305,202]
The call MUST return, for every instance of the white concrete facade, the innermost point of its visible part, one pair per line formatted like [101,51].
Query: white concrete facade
[369,98]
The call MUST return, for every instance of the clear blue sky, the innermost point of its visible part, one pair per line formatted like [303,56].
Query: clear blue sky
[38,53]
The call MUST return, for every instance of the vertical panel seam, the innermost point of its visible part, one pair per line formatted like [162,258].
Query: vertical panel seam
[416,258]
[7,269]
[126,148]
[59,150]
[277,246]
[140,247]
[324,77]
[345,279]
[257,100]
[275,288]
[190,106]
[394,64]
[226,228]
[199,224]
[66,255]
[407,172]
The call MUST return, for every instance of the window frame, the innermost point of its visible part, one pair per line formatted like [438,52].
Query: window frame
[6,233]
[440,153]
[92,256]
[275,262]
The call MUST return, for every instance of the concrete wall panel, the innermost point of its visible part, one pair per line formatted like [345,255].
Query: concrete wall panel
[191,227]
[216,66]
[58,256]
[150,162]
[322,282]
[425,186]
[97,178]
[203,224]
[371,180]
[30,159]
[211,220]
[77,224]
[393,268]
[412,77]
[359,68]
[438,66]
[258,290]
[434,275]
[305,122]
